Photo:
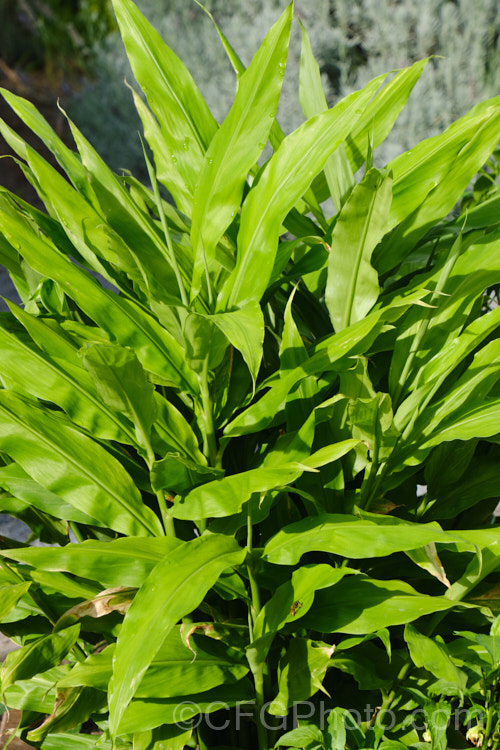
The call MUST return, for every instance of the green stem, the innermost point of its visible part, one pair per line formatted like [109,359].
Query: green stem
[209,439]
[489,721]
[168,521]
[370,482]
[257,667]
[76,531]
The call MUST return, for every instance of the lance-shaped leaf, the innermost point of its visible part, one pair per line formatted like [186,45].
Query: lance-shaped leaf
[67,385]
[293,353]
[178,474]
[225,496]
[157,350]
[127,561]
[207,337]
[302,737]
[347,342]
[237,145]
[143,714]
[475,420]
[301,673]
[429,179]
[121,382]
[353,538]
[352,287]
[244,329]
[38,656]
[175,587]
[381,113]
[293,599]
[175,670]
[39,125]
[154,269]
[312,97]
[15,480]
[284,180]
[10,595]
[71,709]
[186,123]
[73,466]
[360,605]
[429,653]
[84,225]
[444,361]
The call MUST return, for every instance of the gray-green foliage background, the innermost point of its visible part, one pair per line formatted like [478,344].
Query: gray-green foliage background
[354,40]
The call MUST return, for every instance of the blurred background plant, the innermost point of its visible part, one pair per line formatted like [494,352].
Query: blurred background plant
[58,37]
[354,40]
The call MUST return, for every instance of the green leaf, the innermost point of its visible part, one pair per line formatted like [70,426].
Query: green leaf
[64,383]
[352,287]
[16,481]
[186,124]
[430,178]
[10,595]
[283,181]
[72,708]
[119,562]
[293,353]
[381,113]
[301,737]
[173,589]
[178,474]
[361,605]
[143,714]
[73,466]
[224,497]
[127,322]
[67,741]
[294,598]
[237,145]
[121,382]
[475,420]
[336,347]
[244,329]
[301,673]
[353,538]
[312,97]
[433,656]
[336,729]
[167,737]
[38,656]
[437,716]
[39,125]
[175,670]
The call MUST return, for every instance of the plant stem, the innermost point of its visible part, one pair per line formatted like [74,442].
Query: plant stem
[489,721]
[257,667]
[168,521]
[76,531]
[209,440]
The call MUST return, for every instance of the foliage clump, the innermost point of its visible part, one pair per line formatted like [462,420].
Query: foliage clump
[263,437]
